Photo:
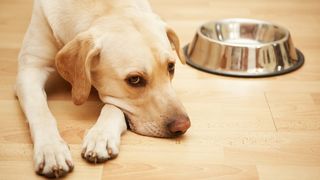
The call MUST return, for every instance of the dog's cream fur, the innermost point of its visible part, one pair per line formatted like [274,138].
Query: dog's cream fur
[106,44]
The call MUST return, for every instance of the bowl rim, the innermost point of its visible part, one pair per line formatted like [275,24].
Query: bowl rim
[244,20]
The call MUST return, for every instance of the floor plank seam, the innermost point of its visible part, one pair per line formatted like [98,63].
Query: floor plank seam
[102,170]
[274,123]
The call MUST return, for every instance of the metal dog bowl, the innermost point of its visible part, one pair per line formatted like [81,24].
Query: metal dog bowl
[243,47]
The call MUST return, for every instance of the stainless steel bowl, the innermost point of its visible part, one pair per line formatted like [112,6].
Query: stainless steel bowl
[243,47]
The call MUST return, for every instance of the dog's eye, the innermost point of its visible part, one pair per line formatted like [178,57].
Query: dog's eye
[136,81]
[171,67]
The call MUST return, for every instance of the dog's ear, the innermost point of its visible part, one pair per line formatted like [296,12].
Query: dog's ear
[73,62]
[175,44]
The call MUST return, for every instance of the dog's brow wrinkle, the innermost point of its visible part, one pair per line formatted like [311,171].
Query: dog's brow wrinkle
[142,73]
[171,60]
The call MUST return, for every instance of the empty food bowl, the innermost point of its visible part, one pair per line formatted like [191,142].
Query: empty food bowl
[244,48]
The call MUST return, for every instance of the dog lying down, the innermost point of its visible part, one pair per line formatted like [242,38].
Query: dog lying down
[121,48]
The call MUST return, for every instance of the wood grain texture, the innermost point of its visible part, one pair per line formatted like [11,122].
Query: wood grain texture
[266,128]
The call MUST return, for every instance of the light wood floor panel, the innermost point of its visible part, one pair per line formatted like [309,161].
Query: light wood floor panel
[294,111]
[264,128]
[289,172]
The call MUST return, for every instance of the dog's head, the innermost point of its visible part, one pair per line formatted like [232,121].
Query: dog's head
[131,66]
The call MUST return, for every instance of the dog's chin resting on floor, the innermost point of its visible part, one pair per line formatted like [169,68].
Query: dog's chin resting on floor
[119,47]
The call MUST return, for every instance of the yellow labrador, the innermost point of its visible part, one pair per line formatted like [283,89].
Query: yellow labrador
[121,48]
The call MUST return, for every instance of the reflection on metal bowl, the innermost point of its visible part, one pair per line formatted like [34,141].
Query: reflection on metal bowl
[243,47]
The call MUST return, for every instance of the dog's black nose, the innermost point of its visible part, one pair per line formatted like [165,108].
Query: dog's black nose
[179,126]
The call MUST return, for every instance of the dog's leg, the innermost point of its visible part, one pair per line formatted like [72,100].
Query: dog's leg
[51,154]
[103,139]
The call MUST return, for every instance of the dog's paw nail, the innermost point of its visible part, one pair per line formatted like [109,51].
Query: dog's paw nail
[70,164]
[83,152]
[91,157]
[55,171]
[94,155]
[110,152]
[55,168]
[90,154]
[40,168]
[60,168]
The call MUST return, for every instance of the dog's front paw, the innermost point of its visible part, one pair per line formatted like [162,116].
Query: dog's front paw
[52,158]
[100,145]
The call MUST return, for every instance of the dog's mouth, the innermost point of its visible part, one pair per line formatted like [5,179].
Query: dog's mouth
[150,133]
[128,122]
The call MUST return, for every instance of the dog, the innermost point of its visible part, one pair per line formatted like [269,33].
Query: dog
[119,47]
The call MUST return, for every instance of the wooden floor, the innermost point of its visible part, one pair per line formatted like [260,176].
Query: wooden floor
[267,128]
